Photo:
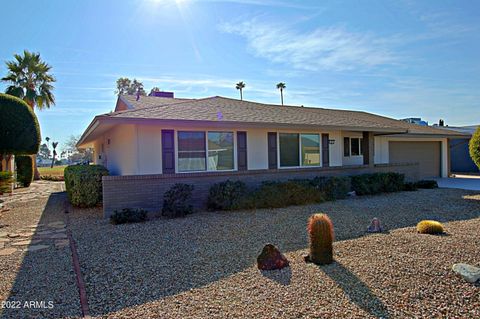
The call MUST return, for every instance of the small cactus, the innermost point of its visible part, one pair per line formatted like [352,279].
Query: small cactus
[430,227]
[320,231]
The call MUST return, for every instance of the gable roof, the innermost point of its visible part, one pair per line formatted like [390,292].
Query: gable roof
[225,111]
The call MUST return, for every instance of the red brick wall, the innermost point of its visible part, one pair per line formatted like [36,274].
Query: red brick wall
[146,191]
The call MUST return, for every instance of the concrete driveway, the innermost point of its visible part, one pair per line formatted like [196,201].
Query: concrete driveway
[470,182]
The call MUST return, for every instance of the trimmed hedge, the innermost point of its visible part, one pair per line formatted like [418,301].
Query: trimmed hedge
[231,195]
[24,169]
[19,129]
[84,184]
[284,194]
[128,215]
[474,147]
[227,195]
[370,184]
[177,201]
[426,184]
[5,182]
[333,187]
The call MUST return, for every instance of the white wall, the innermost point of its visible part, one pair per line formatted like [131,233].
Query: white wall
[120,150]
[149,150]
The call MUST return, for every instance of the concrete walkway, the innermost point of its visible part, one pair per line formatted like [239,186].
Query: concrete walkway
[469,182]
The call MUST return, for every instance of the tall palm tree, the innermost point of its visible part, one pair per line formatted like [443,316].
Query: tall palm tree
[29,78]
[240,86]
[281,86]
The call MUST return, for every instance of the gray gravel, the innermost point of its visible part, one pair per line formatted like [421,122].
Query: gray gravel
[203,266]
[35,272]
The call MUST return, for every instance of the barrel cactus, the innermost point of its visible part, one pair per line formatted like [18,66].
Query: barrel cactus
[320,231]
[430,227]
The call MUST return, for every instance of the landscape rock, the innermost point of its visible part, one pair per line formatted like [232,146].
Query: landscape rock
[375,226]
[13,235]
[271,258]
[468,272]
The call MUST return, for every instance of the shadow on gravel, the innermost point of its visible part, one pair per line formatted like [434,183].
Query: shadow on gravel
[44,285]
[282,277]
[356,290]
[134,264]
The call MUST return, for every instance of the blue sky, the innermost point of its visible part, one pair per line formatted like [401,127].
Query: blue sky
[395,58]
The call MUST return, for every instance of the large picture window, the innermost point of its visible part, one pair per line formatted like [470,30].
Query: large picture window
[299,149]
[200,151]
[310,149]
[191,151]
[289,149]
[220,151]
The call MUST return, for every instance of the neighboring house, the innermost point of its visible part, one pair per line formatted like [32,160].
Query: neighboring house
[149,143]
[461,162]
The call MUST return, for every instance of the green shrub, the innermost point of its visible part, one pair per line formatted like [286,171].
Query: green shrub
[283,194]
[474,147]
[177,201]
[426,184]
[227,195]
[128,215]
[410,187]
[24,169]
[333,187]
[369,184]
[84,184]
[5,182]
[19,130]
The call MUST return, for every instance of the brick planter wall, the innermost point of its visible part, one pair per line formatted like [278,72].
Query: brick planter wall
[146,191]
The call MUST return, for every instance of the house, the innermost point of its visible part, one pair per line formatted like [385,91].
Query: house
[151,142]
[460,159]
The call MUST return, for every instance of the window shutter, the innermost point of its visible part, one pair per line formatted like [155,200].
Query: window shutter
[272,150]
[325,151]
[242,151]
[168,152]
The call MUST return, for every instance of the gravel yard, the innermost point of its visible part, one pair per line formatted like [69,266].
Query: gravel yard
[35,261]
[203,266]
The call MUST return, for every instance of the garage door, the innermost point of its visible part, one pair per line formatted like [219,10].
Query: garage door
[427,154]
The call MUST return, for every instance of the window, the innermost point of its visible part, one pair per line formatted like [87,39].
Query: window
[299,149]
[352,146]
[191,151]
[346,146]
[355,146]
[193,148]
[220,151]
[289,150]
[310,149]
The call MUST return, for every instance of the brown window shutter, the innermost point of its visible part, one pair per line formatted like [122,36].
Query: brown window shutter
[168,152]
[272,150]
[325,151]
[242,151]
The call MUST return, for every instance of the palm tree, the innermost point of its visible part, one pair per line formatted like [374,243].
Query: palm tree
[29,78]
[240,86]
[281,86]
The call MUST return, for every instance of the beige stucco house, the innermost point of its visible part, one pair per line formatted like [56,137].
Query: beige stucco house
[150,142]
